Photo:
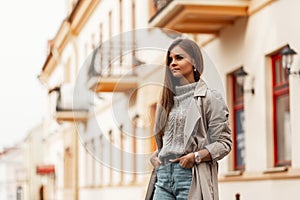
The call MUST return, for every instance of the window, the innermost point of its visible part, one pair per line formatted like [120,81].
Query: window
[281,116]
[238,125]
[19,193]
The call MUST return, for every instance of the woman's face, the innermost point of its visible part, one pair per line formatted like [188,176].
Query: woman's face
[181,65]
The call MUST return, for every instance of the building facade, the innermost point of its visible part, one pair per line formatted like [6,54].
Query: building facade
[104,80]
[35,167]
[13,175]
[248,36]
[100,88]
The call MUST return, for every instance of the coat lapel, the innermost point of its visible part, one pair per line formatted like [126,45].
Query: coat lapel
[193,112]
[192,117]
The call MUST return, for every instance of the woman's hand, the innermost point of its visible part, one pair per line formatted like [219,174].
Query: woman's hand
[154,160]
[186,161]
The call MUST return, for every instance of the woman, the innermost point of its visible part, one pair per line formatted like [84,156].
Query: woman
[192,130]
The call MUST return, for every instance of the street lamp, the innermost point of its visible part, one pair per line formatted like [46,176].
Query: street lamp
[287,59]
[240,75]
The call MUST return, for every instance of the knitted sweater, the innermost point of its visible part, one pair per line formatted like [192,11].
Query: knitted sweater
[173,139]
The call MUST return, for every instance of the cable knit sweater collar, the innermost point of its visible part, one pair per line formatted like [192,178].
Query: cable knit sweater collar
[183,91]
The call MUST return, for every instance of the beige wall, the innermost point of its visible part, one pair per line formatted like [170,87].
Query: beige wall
[270,190]
[248,42]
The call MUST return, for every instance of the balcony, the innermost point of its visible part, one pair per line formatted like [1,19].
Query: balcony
[197,16]
[71,116]
[66,109]
[113,83]
[109,75]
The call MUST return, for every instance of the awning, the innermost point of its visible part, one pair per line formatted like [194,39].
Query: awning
[45,169]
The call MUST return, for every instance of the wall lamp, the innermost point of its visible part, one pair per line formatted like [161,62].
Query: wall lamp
[287,59]
[240,75]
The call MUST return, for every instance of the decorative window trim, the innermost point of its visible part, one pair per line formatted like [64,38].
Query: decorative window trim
[280,88]
[237,105]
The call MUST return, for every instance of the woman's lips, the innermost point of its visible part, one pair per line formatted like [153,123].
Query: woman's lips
[175,69]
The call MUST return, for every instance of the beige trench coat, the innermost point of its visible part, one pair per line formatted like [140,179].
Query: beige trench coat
[208,113]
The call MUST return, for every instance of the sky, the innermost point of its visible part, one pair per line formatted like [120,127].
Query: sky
[26,26]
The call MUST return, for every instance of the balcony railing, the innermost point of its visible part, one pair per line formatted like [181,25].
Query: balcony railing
[110,71]
[119,64]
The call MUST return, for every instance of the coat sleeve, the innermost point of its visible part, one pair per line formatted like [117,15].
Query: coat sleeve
[218,132]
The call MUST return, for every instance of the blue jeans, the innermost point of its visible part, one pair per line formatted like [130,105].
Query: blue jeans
[173,182]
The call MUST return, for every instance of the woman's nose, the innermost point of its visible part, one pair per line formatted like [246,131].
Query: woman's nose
[173,62]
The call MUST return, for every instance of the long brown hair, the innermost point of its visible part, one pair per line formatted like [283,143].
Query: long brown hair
[167,99]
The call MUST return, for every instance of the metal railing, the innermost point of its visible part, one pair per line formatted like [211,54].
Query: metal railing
[107,61]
